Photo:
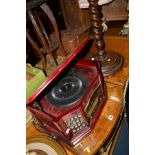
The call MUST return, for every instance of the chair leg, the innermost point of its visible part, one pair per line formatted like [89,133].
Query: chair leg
[37,50]
[41,37]
[50,15]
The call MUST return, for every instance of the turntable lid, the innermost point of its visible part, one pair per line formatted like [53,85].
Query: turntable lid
[56,72]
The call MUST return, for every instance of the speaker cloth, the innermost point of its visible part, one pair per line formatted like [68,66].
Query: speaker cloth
[68,90]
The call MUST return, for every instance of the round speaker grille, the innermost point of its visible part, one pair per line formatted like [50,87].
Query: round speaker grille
[68,90]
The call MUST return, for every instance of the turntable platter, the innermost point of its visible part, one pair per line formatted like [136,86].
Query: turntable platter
[68,90]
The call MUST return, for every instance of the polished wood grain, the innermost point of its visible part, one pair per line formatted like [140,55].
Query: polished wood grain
[116,10]
[74,17]
[117,43]
[121,77]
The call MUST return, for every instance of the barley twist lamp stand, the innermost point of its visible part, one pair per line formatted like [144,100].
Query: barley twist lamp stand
[111,61]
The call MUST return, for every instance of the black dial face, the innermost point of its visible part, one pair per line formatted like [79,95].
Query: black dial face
[68,90]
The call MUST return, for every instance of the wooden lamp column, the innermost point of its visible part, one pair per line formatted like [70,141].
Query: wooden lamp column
[111,61]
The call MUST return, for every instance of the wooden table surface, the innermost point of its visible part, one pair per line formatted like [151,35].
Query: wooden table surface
[107,121]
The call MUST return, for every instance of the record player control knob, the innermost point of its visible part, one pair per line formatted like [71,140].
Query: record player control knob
[75,126]
[74,130]
[72,126]
[73,122]
[77,120]
[83,124]
[79,115]
[75,117]
[81,120]
[79,124]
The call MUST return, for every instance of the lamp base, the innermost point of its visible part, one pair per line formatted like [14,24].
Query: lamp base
[111,62]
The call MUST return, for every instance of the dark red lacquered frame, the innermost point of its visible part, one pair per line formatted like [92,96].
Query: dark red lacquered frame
[56,72]
[52,123]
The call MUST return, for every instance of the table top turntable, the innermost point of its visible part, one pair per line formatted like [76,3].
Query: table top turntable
[71,99]
[68,90]
[59,69]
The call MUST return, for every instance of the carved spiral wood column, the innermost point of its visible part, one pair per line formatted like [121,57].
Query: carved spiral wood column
[111,61]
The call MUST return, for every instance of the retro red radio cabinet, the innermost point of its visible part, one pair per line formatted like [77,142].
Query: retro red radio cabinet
[70,105]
